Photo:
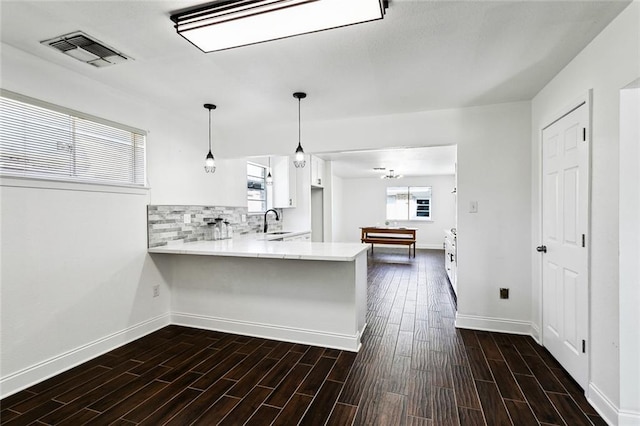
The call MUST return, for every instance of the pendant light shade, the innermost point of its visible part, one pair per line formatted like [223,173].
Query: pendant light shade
[299,161]
[209,162]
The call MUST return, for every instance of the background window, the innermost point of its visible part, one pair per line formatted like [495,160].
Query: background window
[256,188]
[409,203]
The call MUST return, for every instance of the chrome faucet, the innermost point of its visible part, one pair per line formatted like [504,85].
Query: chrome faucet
[265,218]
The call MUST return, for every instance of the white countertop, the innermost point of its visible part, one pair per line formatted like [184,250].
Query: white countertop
[252,246]
[277,236]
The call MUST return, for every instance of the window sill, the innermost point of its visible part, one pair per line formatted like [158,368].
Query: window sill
[410,221]
[41,183]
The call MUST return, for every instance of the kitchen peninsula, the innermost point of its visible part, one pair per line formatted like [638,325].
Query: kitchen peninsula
[304,292]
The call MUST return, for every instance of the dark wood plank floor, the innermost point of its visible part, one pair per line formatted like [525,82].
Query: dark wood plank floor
[414,368]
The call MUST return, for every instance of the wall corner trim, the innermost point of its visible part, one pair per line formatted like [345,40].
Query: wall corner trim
[46,369]
[535,333]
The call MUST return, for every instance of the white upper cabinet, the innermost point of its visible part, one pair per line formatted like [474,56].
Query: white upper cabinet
[317,171]
[284,182]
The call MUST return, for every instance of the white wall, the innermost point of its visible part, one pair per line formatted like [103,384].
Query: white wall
[76,279]
[414,129]
[363,203]
[607,64]
[630,249]
[493,244]
[327,202]
[337,218]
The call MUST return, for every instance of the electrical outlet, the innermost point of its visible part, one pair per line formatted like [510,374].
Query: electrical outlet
[243,218]
[156,290]
[504,293]
[187,218]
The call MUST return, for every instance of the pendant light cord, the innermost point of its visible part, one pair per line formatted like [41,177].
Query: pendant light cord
[299,138]
[209,130]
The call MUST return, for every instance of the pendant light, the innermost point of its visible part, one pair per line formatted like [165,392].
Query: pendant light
[269,177]
[299,161]
[209,162]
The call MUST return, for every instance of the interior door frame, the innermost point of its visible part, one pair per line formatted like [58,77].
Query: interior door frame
[586,99]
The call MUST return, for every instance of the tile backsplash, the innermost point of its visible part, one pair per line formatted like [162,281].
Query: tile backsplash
[166,223]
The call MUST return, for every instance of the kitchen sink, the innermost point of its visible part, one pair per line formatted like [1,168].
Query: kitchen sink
[278,233]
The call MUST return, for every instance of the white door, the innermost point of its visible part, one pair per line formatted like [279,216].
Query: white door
[565,208]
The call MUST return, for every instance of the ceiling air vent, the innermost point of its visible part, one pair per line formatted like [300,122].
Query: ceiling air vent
[87,49]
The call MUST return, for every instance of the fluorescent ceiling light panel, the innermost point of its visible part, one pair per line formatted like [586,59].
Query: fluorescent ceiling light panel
[229,24]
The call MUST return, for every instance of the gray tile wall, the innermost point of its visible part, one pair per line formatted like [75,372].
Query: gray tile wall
[166,223]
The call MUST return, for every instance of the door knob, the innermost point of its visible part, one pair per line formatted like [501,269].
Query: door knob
[541,249]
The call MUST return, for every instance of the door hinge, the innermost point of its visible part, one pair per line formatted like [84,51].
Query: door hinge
[583,241]
[584,134]
[584,346]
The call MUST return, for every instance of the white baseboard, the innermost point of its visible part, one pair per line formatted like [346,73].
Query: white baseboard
[430,246]
[297,335]
[535,333]
[603,405]
[43,370]
[500,325]
[609,411]
[628,418]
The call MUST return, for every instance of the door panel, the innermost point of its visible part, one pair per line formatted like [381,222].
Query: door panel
[569,297]
[570,208]
[551,200]
[564,221]
[551,299]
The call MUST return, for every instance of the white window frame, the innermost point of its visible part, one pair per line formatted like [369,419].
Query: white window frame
[138,141]
[265,187]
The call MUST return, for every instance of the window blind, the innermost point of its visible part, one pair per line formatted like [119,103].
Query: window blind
[50,143]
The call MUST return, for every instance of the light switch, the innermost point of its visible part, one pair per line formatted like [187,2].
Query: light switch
[473,207]
[187,218]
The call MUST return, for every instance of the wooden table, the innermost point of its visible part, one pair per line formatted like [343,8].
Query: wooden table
[396,236]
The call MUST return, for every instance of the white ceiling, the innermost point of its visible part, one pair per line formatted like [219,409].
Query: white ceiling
[424,55]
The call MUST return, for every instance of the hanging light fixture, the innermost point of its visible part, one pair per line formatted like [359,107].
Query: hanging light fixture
[391,175]
[269,178]
[299,161]
[210,162]
[220,25]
